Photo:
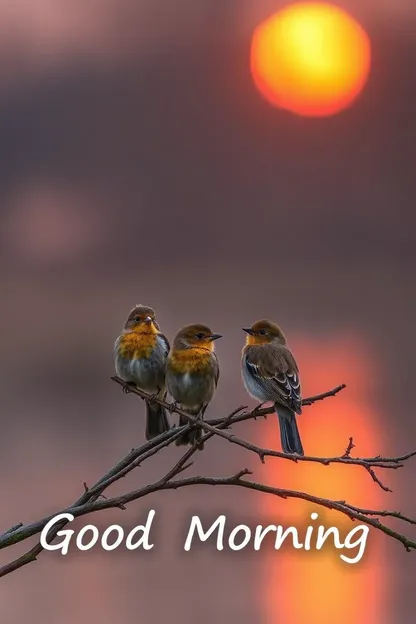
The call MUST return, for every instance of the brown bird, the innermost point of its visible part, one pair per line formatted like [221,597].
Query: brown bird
[140,354]
[192,374]
[270,373]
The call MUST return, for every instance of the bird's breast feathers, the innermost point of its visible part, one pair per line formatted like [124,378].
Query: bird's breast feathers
[190,361]
[135,345]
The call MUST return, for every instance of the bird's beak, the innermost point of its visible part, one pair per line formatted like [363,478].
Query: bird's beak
[248,330]
[214,337]
[148,319]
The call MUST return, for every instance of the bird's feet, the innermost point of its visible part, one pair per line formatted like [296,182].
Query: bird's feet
[173,406]
[128,386]
[200,445]
[155,395]
[258,408]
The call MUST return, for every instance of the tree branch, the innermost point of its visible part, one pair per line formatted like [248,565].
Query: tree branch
[216,427]
[93,500]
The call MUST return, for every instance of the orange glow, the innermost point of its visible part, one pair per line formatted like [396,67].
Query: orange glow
[310,58]
[298,586]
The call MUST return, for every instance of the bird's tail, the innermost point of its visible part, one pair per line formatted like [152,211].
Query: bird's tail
[156,420]
[289,432]
[189,437]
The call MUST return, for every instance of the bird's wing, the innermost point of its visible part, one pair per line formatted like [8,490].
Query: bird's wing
[275,371]
[216,367]
[165,343]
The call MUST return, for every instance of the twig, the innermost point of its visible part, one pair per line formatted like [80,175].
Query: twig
[349,448]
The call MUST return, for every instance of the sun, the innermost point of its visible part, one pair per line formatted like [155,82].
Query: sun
[311,58]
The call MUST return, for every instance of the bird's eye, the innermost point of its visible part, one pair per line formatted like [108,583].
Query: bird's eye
[262,332]
[137,319]
[199,336]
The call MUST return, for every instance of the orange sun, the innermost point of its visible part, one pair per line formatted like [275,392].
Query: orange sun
[311,58]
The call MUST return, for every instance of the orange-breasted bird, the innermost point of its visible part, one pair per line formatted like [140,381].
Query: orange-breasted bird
[140,354]
[270,373]
[192,374]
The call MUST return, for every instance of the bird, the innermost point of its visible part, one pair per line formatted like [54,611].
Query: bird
[270,373]
[192,375]
[140,356]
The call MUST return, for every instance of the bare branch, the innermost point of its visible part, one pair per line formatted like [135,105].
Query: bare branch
[93,499]
[216,426]
[354,513]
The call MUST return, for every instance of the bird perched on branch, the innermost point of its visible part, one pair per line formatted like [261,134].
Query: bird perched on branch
[270,373]
[192,374]
[140,355]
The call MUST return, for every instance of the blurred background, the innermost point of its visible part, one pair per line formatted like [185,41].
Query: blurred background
[140,164]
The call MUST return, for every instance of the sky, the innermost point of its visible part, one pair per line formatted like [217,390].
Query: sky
[39,36]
